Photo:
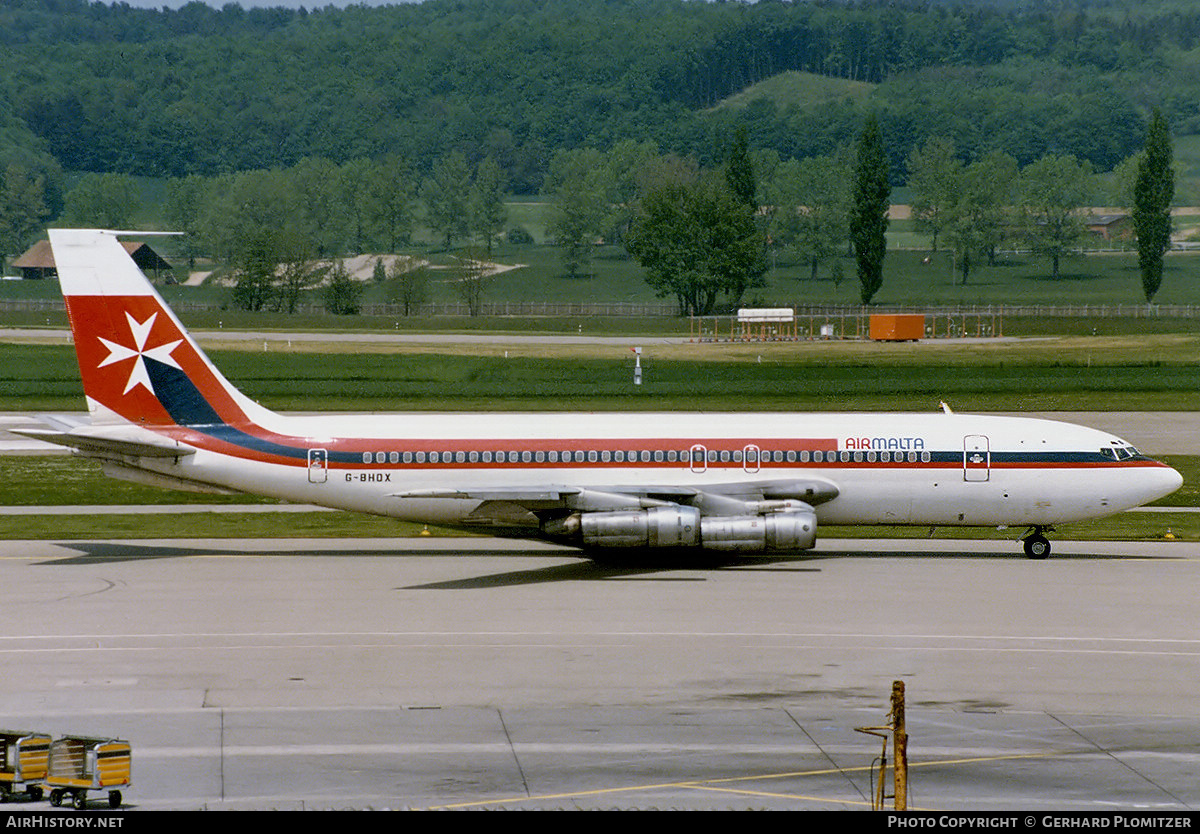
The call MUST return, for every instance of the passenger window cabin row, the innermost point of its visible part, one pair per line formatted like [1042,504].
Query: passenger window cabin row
[749,454]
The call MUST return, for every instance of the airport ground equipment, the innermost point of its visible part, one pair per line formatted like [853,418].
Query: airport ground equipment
[23,760]
[79,764]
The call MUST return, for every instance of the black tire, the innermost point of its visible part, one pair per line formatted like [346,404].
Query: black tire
[114,799]
[56,797]
[79,800]
[1037,547]
[35,792]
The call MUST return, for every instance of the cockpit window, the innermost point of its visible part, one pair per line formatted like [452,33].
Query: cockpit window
[1119,452]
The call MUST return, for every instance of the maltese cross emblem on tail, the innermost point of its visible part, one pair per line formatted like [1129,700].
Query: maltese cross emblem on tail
[141,335]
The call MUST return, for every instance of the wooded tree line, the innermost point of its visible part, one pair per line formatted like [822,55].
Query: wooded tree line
[315,134]
[111,89]
[975,208]
[279,229]
[704,235]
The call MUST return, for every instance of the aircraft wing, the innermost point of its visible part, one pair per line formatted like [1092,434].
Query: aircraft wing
[508,504]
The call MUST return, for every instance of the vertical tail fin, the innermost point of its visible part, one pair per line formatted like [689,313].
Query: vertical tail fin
[137,361]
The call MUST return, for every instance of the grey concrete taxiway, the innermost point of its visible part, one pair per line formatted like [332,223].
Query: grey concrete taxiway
[473,673]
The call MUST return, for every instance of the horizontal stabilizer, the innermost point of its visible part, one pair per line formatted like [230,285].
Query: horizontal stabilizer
[101,441]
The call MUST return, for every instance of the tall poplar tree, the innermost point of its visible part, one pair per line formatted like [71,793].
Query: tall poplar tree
[739,171]
[1152,195]
[868,217]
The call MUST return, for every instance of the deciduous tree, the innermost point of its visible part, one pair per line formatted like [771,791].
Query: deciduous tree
[698,242]
[22,209]
[1052,190]
[106,201]
[408,288]
[934,172]
[576,185]
[445,195]
[342,293]
[809,203]
[974,218]
[471,280]
[485,203]
[389,198]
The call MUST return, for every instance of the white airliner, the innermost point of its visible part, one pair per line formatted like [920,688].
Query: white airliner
[162,414]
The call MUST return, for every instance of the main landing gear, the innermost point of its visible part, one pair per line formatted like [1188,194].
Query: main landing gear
[1037,546]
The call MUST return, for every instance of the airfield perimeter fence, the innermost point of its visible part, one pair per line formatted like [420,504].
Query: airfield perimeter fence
[534,309]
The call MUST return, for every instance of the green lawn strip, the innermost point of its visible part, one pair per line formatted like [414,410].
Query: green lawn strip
[1155,372]
[64,480]
[188,525]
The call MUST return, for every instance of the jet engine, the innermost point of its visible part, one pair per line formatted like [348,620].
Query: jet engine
[773,533]
[678,526]
[655,527]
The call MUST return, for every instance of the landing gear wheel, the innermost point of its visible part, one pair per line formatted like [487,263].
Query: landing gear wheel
[1037,546]
[114,799]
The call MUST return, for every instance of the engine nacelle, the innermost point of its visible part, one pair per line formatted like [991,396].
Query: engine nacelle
[773,533]
[679,526]
[672,526]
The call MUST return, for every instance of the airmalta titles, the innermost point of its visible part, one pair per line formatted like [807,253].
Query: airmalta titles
[885,444]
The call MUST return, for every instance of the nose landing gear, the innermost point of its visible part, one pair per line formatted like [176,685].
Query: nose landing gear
[1037,546]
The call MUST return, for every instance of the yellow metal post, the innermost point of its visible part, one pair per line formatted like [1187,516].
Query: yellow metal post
[898,728]
[899,747]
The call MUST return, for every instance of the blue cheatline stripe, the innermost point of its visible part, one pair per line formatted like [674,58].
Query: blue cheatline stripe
[187,407]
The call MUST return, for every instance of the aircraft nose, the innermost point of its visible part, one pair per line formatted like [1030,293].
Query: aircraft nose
[1160,481]
[1170,480]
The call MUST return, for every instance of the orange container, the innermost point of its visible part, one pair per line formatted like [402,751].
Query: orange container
[892,327]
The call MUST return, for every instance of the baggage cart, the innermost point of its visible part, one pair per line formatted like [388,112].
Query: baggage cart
[78,765]
[23,759]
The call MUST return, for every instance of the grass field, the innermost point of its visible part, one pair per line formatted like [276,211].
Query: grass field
[1066,373]
[796,89]
[1150,372]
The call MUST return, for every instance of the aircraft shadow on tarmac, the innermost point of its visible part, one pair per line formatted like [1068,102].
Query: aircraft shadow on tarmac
[659,568]
[588,570]
[97,552]
[702,570]
[582,569]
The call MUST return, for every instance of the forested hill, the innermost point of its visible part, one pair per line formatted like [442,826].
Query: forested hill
[201,90]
